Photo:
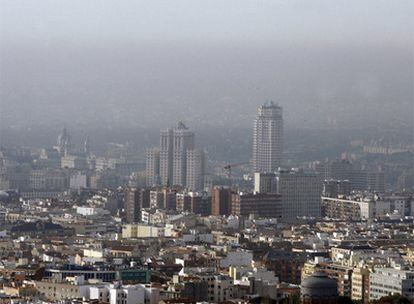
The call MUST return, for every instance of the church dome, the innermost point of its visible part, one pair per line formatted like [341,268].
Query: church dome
[319,286]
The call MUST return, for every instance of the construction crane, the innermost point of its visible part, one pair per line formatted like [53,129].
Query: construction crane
[228,167]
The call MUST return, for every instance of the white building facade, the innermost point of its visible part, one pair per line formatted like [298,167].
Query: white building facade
[267,138]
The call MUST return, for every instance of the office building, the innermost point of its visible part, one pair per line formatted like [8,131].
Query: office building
[152,167]
[199,203]
[169,199]
[333,188]
[221,200]
[267,138]
[194,202]
[360,179]
[131,203]
[156,199]
[195,170]
[301,194]
[262,204]
[166,154]
[340,169]
[134,200]
[376,181]
[183,202]
[264,182]
[183,140]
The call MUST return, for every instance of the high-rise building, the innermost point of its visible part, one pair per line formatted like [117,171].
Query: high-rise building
[169,199]
[267,138]
[63,142]
[156,199]
[152,167]
[265,182]
[145,199]
[301,194]
[340,169]
[183,140]
[183,202]
[195,170]
[86,145]
[200,203]
[333,188]
[376,181]
[131,203]
[360,178]
[166,154]
[194,202]
[135,199]
[176,161]
[221,200]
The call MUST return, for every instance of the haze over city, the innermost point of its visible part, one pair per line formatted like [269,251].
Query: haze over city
[347,64]
[204,151]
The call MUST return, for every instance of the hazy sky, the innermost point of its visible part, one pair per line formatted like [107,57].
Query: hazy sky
[207,62]
[223,21]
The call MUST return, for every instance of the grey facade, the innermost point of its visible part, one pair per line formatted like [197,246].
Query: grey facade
[301,194]
[153,167]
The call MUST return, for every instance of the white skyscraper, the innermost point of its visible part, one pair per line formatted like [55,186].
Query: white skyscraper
[166,153]
[183,140]
[176,163]
[267,138]
[63,142]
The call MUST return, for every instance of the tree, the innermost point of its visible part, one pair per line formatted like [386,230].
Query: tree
[393,299]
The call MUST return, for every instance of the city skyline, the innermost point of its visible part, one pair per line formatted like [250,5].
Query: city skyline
[206,152]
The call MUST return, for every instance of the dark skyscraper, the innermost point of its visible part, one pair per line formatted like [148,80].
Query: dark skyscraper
[221,201]
[135,200]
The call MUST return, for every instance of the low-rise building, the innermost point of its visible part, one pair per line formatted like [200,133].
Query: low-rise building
[141,231]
